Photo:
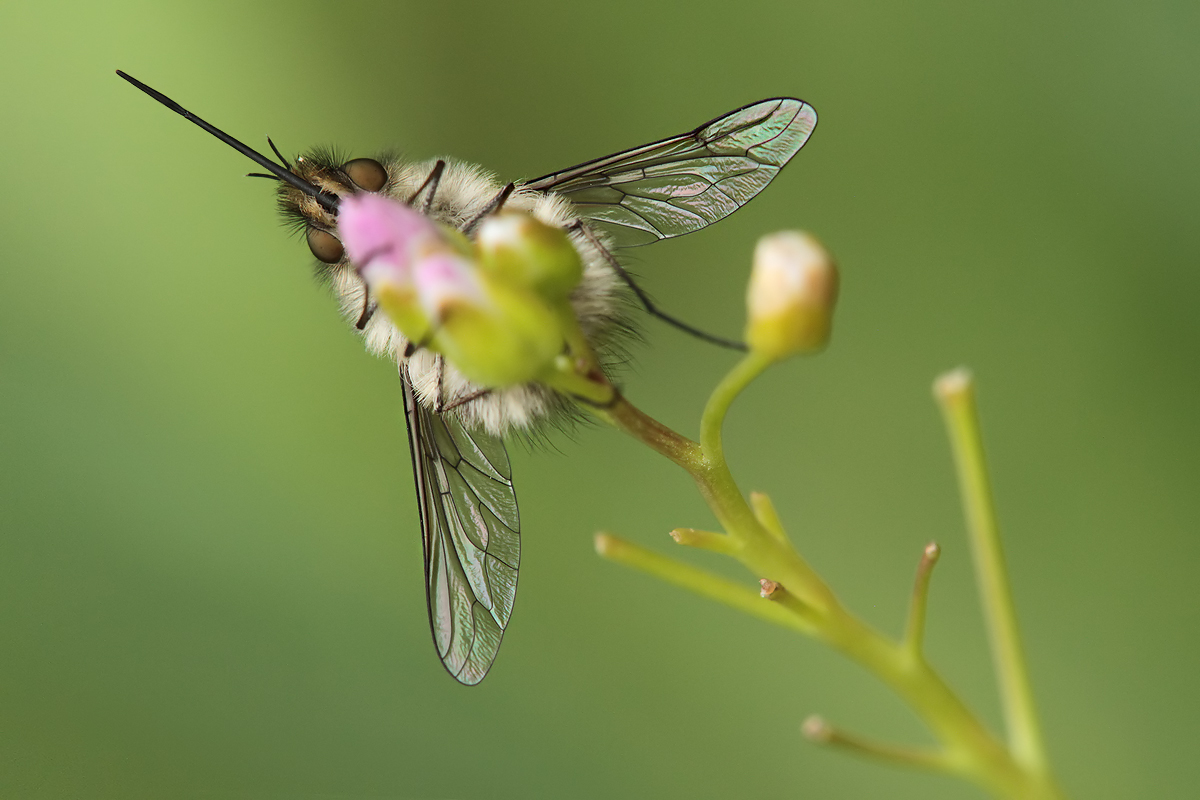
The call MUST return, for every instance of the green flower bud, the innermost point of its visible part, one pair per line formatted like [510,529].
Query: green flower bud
[497,330]
[512,338]
[793,288]
[497,334]
[522,250]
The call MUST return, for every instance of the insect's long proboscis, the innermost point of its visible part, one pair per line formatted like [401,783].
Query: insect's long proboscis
[327,201]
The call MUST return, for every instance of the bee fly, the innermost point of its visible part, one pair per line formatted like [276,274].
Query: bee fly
[468,508]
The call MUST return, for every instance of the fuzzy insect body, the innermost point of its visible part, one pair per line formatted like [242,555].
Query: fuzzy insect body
[470,524]
[460,194]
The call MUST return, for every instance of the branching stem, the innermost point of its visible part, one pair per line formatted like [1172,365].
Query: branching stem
[821,732]
[806,603]
[699,581]
[914,634]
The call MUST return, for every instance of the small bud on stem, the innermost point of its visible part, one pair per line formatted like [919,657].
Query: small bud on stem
[497,309]
[525,251]
[792,291]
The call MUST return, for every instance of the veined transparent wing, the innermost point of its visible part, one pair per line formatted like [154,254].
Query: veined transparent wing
[471,534]
[681,184]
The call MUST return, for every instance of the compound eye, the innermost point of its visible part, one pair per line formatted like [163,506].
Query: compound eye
[324,246]
[367,173]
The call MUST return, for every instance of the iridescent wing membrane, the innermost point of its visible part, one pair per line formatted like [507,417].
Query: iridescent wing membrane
[681,184]
[471,535]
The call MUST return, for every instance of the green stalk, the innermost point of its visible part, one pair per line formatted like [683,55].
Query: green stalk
[703,583]
[956,396]
[967,748]
[721,491]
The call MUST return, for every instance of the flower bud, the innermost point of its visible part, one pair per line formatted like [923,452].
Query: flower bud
[496,331]
[793,288]
[521,249]
[445,281]
[510,339]
[383,235]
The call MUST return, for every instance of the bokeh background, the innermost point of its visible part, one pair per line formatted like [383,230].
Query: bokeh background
[209,561]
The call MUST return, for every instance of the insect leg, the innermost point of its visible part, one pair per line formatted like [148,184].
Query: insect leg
[368,308]
[607,404]
[438,404]
[646,302]
[431,182]
[462,401]
[413,347]
[494,205]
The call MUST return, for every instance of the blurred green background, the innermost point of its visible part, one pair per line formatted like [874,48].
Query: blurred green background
[209,561]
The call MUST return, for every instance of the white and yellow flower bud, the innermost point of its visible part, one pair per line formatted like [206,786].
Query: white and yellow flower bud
[509,338]
[492,324]
[522,250]
[792,292]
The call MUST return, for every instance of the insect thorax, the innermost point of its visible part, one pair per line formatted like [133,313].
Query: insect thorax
[462,193]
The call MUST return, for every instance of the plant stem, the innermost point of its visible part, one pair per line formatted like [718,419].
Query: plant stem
[677,447]
[738,378]
[764,509]
[703,583]
[967,747]
[956,396]
[914,633]
[820,731]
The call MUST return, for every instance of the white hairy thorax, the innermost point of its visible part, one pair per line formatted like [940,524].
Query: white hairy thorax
[463,191]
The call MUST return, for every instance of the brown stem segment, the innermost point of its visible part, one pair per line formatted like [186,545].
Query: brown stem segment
[675,446]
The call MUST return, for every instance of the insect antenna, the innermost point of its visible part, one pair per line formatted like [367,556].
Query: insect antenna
[261,175]
[327,201]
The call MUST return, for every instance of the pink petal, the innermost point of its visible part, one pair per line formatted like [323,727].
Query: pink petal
[375,227]
[444,278]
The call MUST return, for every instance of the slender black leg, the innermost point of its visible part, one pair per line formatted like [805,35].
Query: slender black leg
[431,182]
[413,347]
[368,308]
[646,302]
[462,401]
[494,205]
[440,406]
